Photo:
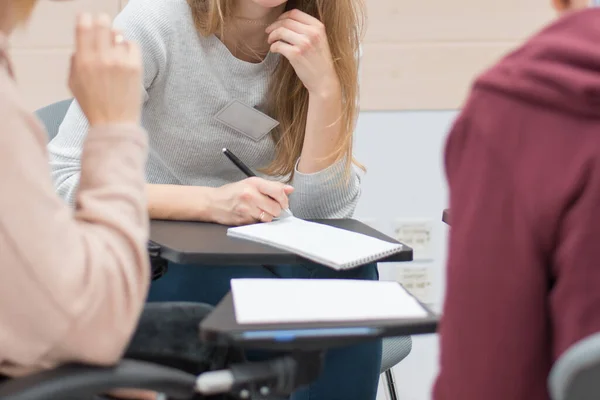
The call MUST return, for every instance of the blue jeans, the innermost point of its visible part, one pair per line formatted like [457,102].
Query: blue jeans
[350,373]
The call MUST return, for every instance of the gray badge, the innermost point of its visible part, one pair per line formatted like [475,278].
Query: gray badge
[246,120]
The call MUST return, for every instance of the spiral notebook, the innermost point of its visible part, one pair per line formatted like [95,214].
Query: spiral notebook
[334,247]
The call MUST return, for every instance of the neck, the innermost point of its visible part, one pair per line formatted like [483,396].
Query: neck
[247,9]
[245,31]
[251,19]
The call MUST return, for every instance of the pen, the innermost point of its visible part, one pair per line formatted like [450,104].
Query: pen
[244,168]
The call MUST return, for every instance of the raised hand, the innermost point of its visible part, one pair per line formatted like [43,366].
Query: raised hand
[106,73]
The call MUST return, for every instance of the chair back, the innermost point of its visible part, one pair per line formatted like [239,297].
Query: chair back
[576,375]
[52,116]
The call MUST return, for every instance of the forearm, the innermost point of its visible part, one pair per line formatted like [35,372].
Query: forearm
[323,130]
[181,203]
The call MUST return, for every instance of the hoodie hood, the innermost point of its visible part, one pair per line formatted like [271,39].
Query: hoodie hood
[559,67]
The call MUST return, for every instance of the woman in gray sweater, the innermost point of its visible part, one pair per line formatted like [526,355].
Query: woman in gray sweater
[296,62]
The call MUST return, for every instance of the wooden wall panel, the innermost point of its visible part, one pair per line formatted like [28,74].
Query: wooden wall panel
[53,22]
[42,75]
[454,20]
[417,54]
[41,50]
[424,54]
[422,77]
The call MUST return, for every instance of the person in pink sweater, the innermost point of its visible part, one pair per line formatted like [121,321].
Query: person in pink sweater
[73,282]
[523,167]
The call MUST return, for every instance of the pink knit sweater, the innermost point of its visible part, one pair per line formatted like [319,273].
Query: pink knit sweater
[72,282]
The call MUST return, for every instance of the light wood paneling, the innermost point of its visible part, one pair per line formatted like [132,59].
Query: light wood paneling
[53,22]
[400,21]
[417,77]
[425,54]
[419,54]
[41,50]
[42,75]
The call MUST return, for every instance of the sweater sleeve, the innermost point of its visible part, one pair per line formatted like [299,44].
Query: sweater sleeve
[327,193]
[493,335]
[575,298]
[140,22]
[84,272]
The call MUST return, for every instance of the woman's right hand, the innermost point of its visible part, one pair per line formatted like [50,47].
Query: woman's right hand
[249,201]
[106,73]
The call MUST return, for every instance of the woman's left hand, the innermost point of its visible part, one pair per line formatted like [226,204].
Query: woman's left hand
[302,39]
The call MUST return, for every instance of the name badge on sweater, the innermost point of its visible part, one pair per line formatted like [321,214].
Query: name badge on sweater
[246,120]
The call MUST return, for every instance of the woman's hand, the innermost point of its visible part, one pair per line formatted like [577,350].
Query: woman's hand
[105,73]
[249,201]
[302,39]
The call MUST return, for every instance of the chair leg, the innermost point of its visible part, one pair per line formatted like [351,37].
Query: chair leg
[391,384]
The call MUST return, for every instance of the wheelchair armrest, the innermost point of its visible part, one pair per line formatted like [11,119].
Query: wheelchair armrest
[158,265]
[72,381]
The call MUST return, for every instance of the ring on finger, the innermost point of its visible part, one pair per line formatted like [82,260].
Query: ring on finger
[261,217]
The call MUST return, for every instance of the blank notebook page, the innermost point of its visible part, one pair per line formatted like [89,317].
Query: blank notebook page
[334,247]
[273,301]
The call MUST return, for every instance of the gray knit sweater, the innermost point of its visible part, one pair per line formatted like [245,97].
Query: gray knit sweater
[187,80]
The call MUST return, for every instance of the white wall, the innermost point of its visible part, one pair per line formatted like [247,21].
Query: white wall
[403,152]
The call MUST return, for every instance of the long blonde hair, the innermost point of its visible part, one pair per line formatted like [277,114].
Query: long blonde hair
[288,98]
[24,8]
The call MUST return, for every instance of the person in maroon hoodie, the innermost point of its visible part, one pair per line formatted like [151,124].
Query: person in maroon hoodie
[523,167]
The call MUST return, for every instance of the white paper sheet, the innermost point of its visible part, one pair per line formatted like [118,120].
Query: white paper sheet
[272,301]
[326,245]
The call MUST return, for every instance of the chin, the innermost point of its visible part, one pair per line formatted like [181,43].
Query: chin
[269,3]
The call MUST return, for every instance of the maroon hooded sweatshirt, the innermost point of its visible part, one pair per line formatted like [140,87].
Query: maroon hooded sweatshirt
[523,166]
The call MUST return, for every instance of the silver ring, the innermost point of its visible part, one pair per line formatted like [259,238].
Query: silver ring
[261,217]
[119,39]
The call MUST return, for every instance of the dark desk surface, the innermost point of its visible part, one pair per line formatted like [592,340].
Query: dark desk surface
[208,244]
[221,328]
[446,216]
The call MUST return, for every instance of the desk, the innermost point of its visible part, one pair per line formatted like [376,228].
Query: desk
[446,216]
[221,328]
[208,244]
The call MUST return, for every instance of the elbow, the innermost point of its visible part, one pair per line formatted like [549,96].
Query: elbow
[330,204]
[120,337]
[342,203]
[100,343]
[65,184]
[112,353]
[324,210]
[350,202]
[121,321]
[104,323]
[103,340]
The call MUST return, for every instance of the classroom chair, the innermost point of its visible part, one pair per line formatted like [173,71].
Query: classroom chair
[394,349]
[178,369]
[154,361]
[576,374]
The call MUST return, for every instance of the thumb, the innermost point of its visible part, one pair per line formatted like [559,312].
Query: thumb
[288,189]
